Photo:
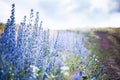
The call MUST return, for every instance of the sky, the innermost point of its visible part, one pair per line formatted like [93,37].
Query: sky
[66,14]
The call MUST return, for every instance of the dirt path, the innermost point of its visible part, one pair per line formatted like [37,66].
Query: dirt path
[112,51]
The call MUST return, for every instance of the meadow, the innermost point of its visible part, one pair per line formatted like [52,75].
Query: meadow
[30,52]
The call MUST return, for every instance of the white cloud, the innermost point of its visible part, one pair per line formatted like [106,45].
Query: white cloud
[65,14]
[103,5]
[4,11]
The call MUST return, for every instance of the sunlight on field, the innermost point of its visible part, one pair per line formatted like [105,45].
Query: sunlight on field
[30,51]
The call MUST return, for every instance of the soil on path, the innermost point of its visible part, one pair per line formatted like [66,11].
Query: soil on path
[109,44]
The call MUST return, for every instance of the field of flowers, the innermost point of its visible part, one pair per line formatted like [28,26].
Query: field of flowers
[30,52]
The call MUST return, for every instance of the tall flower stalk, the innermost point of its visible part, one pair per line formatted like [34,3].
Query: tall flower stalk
[8,46]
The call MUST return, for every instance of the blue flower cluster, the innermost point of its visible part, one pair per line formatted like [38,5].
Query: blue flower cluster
[23,48]
[8,47]
[28,52]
